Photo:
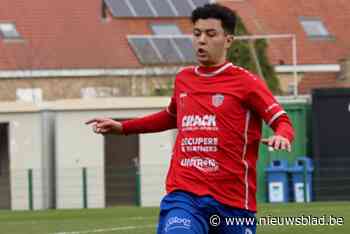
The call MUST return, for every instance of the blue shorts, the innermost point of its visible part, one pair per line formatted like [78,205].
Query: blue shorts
[185,213]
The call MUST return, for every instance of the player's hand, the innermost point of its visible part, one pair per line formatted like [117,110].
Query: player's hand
[106,125]
[277,142]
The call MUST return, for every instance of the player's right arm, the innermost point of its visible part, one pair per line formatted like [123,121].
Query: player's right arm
[157,122]
[105,125]
[161,121]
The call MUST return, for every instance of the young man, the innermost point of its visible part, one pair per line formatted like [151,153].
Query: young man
[218,110]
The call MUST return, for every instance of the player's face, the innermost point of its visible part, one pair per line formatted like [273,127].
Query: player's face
[210,42]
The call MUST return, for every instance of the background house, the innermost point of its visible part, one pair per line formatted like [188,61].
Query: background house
[104,48]
[322,39]
[78,49]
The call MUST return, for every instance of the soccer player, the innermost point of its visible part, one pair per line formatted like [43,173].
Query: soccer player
[218,110]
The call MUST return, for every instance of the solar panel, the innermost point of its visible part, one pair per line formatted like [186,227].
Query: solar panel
[163,8]
[119,8]
[144,50]
[198,3]
[186,49]
[167,50]
[142,8]
[183,7]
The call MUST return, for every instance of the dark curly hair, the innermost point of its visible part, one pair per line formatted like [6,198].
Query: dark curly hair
[216,11]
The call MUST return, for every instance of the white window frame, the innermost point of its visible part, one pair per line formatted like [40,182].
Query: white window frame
[34,95]
[99,92]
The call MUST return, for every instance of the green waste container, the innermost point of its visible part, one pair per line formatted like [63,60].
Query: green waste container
[299,113]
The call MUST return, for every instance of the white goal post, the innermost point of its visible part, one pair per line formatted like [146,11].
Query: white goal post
[294,52]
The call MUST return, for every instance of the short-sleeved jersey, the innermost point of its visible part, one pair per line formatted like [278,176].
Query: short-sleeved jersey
[219,119]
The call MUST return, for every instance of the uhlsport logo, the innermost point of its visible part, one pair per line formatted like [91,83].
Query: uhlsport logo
[203,164]
[182,99]
[176,223]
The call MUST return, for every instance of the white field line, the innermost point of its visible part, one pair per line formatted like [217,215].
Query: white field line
[107,229]
[74,221]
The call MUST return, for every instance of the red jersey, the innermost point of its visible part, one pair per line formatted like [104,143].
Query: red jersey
[219,129]
[218,113]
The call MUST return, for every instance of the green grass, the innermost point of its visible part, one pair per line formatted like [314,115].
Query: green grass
[133,220]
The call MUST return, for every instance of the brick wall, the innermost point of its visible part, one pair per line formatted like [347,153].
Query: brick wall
[320,80]
[70,87]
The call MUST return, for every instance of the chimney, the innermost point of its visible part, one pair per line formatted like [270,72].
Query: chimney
[344,75]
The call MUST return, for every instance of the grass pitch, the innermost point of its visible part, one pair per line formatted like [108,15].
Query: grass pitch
[134,220]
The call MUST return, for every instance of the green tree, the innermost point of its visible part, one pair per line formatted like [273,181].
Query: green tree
[251,54]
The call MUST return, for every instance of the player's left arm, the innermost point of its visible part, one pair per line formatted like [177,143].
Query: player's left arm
[262,101]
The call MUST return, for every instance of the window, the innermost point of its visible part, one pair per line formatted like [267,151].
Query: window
[96,92]
[29,95]
[9,31]
[165,29]
[314,28]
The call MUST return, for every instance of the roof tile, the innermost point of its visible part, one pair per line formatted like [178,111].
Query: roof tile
[72,34]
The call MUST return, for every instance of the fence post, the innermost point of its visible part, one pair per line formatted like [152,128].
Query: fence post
[84,188]
[30,189]
[138,187]
[305,188]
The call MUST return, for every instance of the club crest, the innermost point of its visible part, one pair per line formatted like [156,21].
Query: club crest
[217,100]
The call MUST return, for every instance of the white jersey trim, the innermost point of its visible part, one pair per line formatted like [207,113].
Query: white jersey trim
[271,107]
[275,116]
[214,73]
[246,181]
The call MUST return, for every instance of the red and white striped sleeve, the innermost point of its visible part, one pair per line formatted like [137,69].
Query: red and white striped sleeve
[261,100]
